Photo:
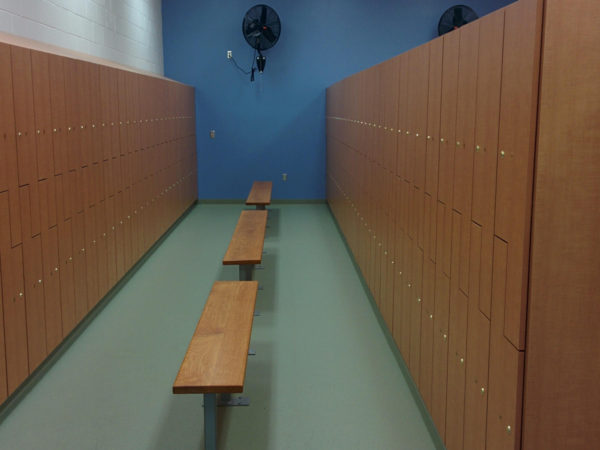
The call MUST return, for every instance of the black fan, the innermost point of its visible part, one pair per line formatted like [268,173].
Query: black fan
[455,17]
[261,27]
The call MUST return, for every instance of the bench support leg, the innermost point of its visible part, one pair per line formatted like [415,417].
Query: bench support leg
[210,421]
[246,271]
[261,207]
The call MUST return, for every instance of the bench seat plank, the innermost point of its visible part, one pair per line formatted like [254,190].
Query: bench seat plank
[260,194]
[216,358]
[246,245]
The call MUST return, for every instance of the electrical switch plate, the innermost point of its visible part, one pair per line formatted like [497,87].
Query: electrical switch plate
[229,54]
[284,176]
[212,134]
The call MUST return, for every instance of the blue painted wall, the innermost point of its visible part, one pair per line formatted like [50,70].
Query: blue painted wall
[277,123]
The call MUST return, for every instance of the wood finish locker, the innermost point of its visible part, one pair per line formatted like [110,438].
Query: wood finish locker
[448,117]
[73,136]
[67,280]
[52,289]
[562,355]
[4,246]
[34,301]
[79,266]
[66,192]
[40,72]
[518,110]
[15,320]
[24,114]
[59,113]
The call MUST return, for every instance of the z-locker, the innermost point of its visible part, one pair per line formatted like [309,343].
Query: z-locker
[91,257]
[24,115]
[79,266]
[43,114]
[8,154]
[518,121]
[102,248]
[73,139]
[84,98]
[96,113]
[34,301]
[450,61]
[52,290]
[58,105]
[67,277]
[15,317]
[427,331]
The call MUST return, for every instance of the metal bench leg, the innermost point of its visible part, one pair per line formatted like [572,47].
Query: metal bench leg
[210,421]
[246,271]
[261,207]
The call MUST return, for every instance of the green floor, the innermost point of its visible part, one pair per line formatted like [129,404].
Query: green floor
[325,375]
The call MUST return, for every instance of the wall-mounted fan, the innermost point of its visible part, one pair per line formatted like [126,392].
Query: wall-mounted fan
[261,27]
[455,17]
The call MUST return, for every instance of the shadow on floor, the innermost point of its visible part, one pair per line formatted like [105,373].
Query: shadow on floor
[237,427]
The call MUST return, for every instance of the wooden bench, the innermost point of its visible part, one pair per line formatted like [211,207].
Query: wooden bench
[246,246]
[215,361]
[260,194]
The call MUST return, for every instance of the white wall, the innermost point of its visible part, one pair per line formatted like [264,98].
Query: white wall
[128,32]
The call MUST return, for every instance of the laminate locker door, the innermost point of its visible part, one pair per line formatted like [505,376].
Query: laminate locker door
[121,101]
[84,98]
[43,114]
[505,365]
[420,66]
[102,245]
[389,91]
[401,168]
[91,257]
[448,117]
[434,98]
[416,303]
[52,298]
[115,136]
[427,337]
[96,132]
[478,340]
[439,384]
[108,177]
[105,112]
[562,358]
[119,235]
[130,83]
[4,247]
[59,113]
[457,349]
[109,204]
[464,145]
[489,79]
[15,317]
[137,112]
[8,153]
[79,266]
[34,301]
[67,280]
[407,296]
[24,115]
[518,110]
[127,238]
[77,183]
[73,113]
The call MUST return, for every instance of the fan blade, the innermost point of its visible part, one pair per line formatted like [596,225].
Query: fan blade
[268,34]
[458,20]
[263,15]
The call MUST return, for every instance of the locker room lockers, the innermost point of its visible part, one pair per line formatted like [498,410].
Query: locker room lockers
[430,176]
[96,163]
